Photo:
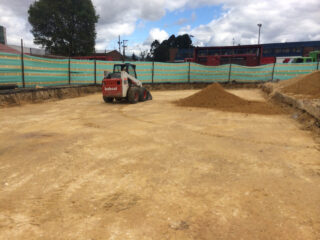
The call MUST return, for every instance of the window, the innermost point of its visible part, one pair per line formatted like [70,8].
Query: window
[202,59]
[286,50]
[298,60]
[266,51]
[251,51]
[117,69]
[202,52]
[131,71]
[242,51]
[213,52]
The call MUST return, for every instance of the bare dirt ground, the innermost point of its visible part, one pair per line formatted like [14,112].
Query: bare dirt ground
[82,169]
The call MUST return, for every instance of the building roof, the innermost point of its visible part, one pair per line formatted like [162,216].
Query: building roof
[7,49]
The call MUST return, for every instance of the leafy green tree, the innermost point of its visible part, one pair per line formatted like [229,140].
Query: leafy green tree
[64,27]
[134,57]
[154,45]
[160,51]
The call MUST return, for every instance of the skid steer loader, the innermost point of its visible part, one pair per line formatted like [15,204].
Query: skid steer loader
[122,84]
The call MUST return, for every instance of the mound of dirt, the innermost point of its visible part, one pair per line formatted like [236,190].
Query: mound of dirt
[308,85]
[214,96]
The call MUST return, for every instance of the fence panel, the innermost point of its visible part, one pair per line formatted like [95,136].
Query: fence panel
[104,66]
[170,72]
[201,73]
[10,69]
[45,72]
[284,71]
[81,71]
[251,74]
[144,71]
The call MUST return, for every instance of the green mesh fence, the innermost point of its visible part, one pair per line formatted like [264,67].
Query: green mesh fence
[170,72]
[285,71]
[81,71]
[53,72]
[201,73]
[44,71]
[144,71]
[251,74]
[10,69]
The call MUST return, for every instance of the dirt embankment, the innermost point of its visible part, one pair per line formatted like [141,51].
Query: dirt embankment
[302,92]
[307,86]
[33,95]
[214,96]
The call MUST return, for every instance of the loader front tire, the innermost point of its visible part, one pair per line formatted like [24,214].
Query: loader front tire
[133,95]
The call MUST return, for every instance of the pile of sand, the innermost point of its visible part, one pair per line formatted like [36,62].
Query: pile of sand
[308,85]
[214,96]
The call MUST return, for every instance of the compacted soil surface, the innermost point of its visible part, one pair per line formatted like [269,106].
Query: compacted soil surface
[83,169]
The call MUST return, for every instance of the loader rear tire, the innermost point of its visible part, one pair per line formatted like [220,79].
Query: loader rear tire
[133,95]
[143,94]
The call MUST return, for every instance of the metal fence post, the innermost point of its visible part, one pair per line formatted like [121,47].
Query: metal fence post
[69,73]
[318,65]
[22,65]
[95,71]
[189,72]
[274,64]
[229,77]
[152,71]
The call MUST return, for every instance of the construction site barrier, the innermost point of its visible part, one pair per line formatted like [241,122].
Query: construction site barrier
[31,71]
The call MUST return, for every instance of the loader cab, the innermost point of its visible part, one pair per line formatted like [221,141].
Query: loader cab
[127,67]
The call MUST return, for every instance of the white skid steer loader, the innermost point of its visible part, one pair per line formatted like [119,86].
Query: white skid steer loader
[122,84]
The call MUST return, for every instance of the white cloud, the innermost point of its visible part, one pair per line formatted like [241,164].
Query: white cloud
[157,34]
[13,17]
[154,34]
[290,20]
[181,21]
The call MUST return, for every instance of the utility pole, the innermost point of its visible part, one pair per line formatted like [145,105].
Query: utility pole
[232,41]
[119,43]
[259,25]
[124,48]
[22,65]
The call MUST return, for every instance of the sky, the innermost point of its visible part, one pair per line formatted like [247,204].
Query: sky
[210,22]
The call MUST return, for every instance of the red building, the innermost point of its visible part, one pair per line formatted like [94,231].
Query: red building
[7,49]
[248,55]
[112,55]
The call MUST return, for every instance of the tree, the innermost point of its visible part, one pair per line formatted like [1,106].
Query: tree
[143,55]
[160,51]
[154,45]
[134,57]
[64,27]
